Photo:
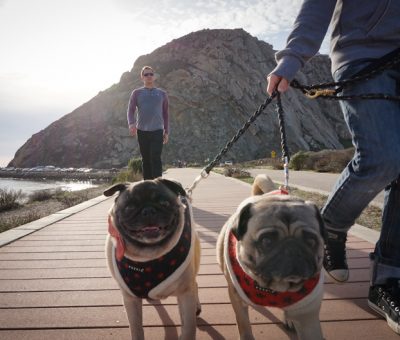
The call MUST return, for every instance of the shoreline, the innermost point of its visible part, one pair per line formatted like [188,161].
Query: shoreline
[101,175]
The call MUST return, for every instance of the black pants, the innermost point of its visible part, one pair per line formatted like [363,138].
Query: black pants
[150,145]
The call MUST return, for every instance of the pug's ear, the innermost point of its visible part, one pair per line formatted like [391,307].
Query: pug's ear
[116,187]
[174,186]
[239,227]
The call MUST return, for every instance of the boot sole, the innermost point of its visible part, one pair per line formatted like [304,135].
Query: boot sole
[335,279]
[392,324]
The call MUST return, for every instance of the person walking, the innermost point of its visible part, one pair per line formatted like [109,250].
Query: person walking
[150,124]
[362,33]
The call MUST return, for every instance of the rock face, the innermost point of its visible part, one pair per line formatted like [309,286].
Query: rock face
[215,80]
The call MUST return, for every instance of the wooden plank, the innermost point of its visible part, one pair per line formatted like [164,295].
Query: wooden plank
[87,284]
[158,315]
[78,272]
[349,330]
[113,296]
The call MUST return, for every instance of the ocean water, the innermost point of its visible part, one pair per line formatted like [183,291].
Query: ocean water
[30,186]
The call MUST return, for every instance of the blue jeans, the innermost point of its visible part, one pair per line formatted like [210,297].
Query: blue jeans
[375,129]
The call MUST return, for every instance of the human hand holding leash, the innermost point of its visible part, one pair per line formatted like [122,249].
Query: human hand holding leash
[276,83]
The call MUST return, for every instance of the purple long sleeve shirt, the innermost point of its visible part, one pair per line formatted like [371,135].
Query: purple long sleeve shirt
[152,113]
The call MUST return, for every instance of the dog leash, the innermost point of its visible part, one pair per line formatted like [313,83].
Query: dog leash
[285,150]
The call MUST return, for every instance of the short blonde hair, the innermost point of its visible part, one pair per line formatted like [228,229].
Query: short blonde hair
[146,68]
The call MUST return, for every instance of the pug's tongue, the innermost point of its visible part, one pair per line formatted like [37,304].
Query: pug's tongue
[151,230]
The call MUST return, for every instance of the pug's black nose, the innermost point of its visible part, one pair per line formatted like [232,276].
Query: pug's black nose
[148,211]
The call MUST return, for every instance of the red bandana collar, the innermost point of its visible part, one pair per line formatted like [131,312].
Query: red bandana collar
[280,191]
[120,246]
[263,296]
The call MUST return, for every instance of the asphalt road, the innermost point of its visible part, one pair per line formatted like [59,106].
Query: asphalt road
[309,181]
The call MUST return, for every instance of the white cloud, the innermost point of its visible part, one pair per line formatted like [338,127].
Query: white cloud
[262,18]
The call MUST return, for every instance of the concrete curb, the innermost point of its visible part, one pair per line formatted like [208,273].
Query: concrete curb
[14,234]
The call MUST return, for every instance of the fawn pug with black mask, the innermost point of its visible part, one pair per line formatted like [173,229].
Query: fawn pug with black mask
[270,251]
[152,249]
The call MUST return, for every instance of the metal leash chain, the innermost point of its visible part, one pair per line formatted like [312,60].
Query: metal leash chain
[322,89]
[206,171]
[284,144]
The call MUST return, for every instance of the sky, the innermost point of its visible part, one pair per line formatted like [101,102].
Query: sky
[58,54]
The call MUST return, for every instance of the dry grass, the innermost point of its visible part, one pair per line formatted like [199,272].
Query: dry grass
[370,217]
[322,161]
[35,209]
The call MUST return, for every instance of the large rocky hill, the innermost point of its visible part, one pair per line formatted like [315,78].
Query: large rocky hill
[215,80]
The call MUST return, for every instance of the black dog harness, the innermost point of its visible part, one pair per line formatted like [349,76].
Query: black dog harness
[142,277]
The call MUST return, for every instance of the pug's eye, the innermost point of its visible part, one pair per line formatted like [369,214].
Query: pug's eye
[164,203]
[310,240]
[268,239]
[129,208]
[128,211]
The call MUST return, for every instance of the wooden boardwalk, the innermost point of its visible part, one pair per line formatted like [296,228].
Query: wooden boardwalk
[54,283]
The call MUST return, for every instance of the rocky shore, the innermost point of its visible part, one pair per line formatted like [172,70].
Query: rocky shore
[105,175]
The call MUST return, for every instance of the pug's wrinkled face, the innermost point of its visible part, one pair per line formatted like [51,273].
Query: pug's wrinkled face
[147,213]
[280,243]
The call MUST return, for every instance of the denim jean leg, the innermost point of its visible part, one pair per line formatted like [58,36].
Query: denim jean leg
[372,124]
[385,261]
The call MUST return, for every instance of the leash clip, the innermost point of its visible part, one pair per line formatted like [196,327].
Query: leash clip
[202,175]
[285,186]
[315,93]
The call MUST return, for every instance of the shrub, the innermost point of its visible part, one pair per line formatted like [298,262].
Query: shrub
[14,221]
[298,160]
[322,161]
[127,176]
[133,174]
[9,199]
[235,172]
[70,198]
[135,165]
[276,164]
[41,195]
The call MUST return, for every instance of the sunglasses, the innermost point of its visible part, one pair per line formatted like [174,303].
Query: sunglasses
[148,74]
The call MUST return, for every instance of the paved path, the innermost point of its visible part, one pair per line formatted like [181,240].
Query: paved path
[54,283]
[311,181]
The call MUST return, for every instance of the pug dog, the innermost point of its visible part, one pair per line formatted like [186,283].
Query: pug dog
[153,251]
[270,251]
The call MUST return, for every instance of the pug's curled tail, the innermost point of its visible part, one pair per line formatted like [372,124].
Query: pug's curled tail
[261,185]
